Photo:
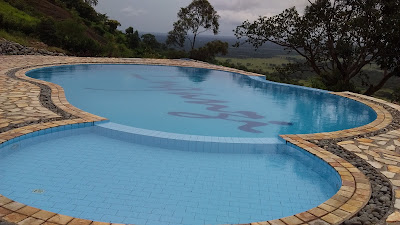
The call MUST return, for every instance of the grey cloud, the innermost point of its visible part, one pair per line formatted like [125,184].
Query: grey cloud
[236,4]
[130,11]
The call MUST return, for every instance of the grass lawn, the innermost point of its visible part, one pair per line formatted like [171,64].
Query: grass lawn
[264,64]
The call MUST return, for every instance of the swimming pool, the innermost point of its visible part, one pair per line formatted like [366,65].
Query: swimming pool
[184,146]
[203,102]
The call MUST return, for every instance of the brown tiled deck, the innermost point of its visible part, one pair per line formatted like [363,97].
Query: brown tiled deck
[21,112]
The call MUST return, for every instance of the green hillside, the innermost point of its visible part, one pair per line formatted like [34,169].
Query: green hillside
[72,27]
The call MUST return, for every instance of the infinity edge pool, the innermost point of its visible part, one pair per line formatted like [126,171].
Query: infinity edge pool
[353,180]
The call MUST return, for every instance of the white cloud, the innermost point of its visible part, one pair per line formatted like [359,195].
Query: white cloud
[130,11]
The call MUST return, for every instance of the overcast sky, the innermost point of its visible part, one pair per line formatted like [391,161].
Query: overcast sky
[157,16]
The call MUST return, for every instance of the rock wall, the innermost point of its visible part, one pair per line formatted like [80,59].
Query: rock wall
[12,48]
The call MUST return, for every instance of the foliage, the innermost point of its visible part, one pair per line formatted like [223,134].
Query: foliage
[84,9]
[47,31]
[209,51]
[336,38]
[198,17]
[132,38]
[20,5]
[284,72]
[175,54]
[396,95]
[15,19]
[150,41]
[92,2]
[389,59]
[113,25]
[70,35]
[15,36]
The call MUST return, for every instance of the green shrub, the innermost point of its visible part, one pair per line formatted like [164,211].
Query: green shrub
[71,36]
[175,54]
[15,19]
[316,82]
[396,95]
[209,51]
[99,29]
[47,31]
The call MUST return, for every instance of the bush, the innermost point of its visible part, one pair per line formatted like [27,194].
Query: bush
[176,54]
[150,41]
[47,32]
[316,82]
[99,29]
[72,37]
[396,95]
[209,51]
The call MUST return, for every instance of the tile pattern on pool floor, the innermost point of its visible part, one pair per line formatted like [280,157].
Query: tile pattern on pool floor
[145,185]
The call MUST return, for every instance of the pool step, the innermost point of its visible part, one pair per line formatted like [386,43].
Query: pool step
[188,142]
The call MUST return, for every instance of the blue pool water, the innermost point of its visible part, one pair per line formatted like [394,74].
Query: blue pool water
[202,102]
[84,173]
[184,146]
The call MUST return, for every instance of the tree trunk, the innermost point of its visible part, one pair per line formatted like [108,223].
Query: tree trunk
[372,89]
[194,41]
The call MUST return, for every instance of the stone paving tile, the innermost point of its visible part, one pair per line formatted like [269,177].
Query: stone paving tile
[19,104]
[384,155]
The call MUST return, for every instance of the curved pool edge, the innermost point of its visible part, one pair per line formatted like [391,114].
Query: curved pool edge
[352,196]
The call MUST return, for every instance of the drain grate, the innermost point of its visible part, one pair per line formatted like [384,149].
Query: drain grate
[38,191]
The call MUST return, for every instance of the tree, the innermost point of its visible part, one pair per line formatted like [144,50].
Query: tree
[198,17]
[92,2]
[336,38]
[389,60]
[113,25]
[209,51]
[47,31]
[150,41]
[132,38]
[84,8]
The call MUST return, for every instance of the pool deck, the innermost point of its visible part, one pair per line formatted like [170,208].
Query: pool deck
[22,111]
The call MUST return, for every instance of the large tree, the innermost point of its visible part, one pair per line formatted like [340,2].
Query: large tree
[198,17]
[132,38]
[337,38]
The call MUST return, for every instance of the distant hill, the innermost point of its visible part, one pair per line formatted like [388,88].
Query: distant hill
[268,50]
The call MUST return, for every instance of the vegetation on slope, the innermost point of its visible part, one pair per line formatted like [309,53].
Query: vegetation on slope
[71,26]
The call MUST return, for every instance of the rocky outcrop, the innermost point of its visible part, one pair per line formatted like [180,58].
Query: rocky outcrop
[12,48]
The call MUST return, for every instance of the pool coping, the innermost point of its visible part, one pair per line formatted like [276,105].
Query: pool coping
[352,196]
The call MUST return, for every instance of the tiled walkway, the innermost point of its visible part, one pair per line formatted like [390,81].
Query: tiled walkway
[21,112]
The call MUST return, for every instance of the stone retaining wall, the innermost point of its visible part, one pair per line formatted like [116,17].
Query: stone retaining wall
[12,48]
